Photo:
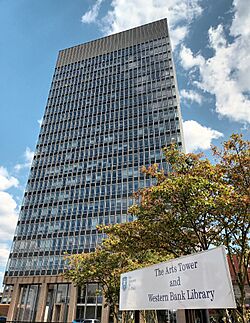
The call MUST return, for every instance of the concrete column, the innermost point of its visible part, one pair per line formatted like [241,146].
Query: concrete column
[105,314]
[41,302]
[72,303]
[62,313]
[14,301]
[55,312]
[180,316]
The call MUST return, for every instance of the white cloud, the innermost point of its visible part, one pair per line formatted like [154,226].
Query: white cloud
[1,280]
[189,60]
[28,156]
[8,216]
[198,137]
[178,34]
[226,74]
[91,15]
[240,25]
[18,167]
[40,121]
[6,181]
[125,14]
[191,96]
[4,254]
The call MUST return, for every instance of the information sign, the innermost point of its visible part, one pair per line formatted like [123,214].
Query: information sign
[201,280]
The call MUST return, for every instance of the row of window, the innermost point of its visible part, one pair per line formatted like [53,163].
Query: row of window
[120,140]
[105,179]
[78,111]
[94,96]
[37,263]
[104,156]
[59,243]
[75,110]
[140,100]
[126,139]
[118,85]
[125,175]
[85,193]
[111,142]
[107,147]
[133,69]
[138,61]
[119,88]
[93,208]
[115,190]
[108,122]
[102,115]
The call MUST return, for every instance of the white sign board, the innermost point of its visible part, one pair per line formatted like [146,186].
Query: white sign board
[201,280]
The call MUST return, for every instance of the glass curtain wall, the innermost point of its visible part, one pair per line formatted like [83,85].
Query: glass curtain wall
[27,305]
[56,309]
[89,302]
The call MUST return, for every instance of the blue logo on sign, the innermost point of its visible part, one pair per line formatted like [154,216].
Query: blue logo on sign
[124,283]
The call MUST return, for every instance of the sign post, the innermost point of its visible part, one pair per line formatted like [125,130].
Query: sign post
[198,281]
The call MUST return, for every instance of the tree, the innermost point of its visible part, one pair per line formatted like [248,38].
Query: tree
[103,267]
[195,206]
[233,163]
[106,265]
[198,205]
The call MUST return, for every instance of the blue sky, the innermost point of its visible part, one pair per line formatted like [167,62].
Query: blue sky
[211,41]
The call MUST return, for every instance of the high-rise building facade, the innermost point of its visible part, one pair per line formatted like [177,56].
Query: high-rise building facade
[112,106]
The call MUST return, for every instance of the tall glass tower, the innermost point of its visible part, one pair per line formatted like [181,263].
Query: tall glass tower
[112,106]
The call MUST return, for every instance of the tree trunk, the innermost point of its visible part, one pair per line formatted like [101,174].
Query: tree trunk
[123,317]
[116,320]
[143,318]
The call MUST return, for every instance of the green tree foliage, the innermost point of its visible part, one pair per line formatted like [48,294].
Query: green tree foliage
[100,266]
[107,263]
[195,206]
[234,165]
[199,205]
